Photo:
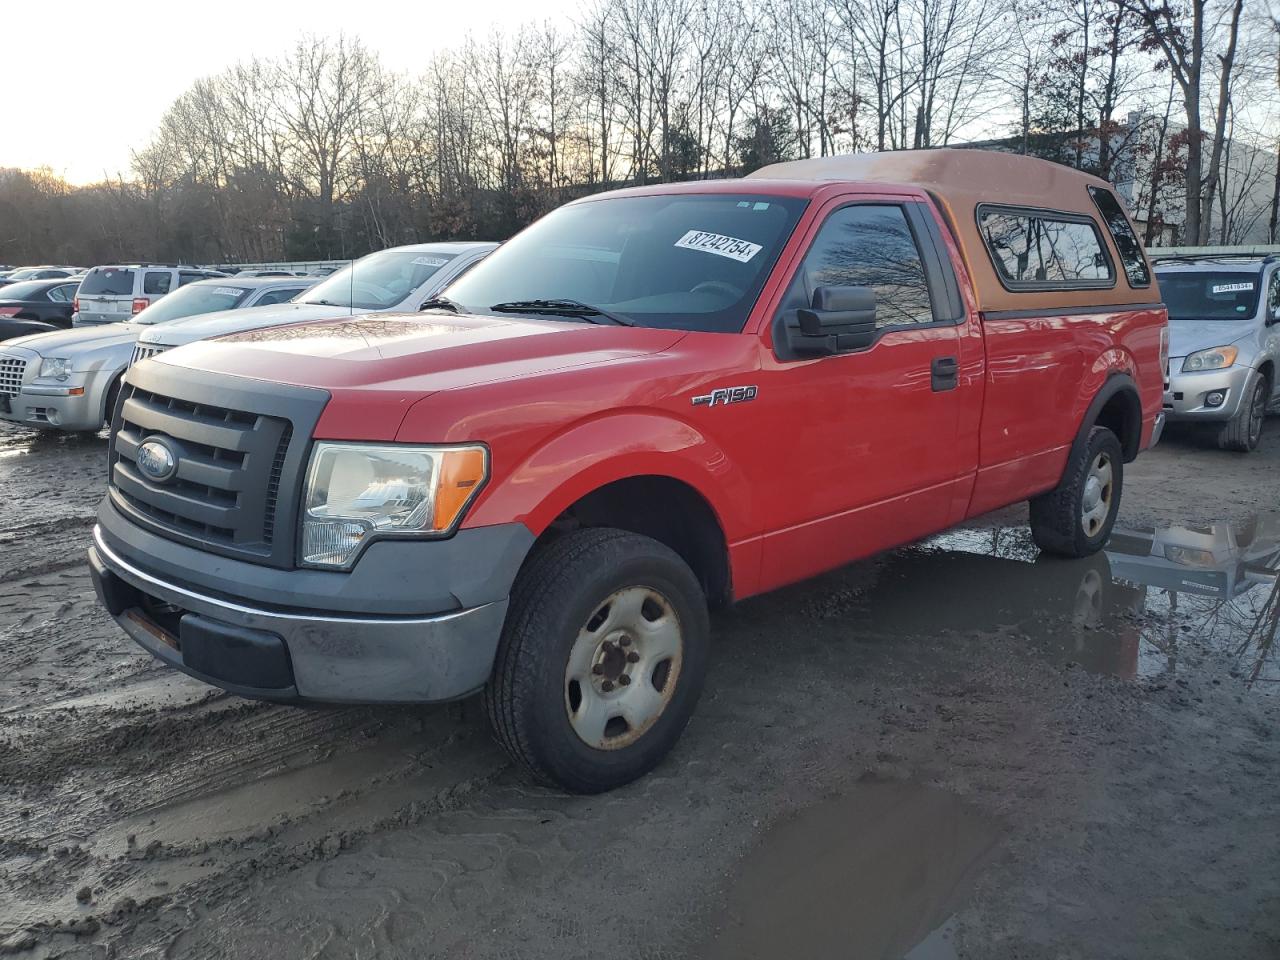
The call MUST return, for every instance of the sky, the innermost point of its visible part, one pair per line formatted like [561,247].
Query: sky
[94,78]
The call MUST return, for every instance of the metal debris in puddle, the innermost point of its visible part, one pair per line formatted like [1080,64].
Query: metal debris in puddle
[1152,605]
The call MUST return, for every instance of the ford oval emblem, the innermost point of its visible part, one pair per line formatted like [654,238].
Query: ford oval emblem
[157,461]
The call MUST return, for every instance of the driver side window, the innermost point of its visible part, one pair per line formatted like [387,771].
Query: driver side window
[1273,297]
[868,245]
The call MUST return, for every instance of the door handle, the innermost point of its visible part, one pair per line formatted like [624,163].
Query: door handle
[944,373]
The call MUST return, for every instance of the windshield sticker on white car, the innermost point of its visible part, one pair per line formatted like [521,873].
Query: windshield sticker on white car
[428,261]
[227,291]
[1232,287]
[721,246]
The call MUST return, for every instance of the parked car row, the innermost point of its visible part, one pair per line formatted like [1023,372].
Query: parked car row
[69,380]
[46,272]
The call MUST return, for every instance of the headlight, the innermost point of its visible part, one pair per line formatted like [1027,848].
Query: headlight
[1215,358]
[55,368]
[359,492]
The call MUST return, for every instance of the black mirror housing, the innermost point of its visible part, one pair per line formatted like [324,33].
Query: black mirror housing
[841,319]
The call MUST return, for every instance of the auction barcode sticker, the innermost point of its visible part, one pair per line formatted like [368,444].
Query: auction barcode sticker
[227,291]
[429,261]
[721,246]
[1232,287]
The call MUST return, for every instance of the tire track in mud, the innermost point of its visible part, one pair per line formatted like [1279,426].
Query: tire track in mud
[122,776]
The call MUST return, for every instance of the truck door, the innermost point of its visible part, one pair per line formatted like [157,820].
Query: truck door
[865,441]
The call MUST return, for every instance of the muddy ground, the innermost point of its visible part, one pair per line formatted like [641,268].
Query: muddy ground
[955,750]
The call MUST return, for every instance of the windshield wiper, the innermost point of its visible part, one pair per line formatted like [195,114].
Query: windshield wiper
[561,308]
[440,303]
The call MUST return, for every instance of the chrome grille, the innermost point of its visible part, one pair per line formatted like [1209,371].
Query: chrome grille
[142,352]
[11,373]
[229,468]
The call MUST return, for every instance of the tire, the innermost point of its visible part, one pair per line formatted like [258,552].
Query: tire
[555,668]
[1062,522]
[113,394]
[1243,431]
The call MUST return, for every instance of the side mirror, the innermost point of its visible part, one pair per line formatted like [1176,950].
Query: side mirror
[841,319]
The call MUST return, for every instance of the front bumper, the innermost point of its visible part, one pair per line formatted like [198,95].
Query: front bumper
[299,655]
[71,407]
[1185,397]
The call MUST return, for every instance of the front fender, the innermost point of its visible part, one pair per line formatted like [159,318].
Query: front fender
[615,446]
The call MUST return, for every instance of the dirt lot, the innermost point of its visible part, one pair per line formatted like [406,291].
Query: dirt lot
[956,750]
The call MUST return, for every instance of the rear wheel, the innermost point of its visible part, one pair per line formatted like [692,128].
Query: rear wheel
[1075,518]
[1243,431]
[602,659]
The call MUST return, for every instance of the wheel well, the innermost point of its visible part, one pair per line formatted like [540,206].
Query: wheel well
[1122,415]
[1268,371]
[113,390]
[668,510]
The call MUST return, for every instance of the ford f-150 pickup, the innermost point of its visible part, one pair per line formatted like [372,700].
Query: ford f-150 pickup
[648,404]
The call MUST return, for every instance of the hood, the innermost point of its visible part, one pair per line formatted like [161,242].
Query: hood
[416,353]
[78,340]
[174,333]
[1188,336]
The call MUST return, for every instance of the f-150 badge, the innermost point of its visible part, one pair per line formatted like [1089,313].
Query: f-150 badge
[725,395]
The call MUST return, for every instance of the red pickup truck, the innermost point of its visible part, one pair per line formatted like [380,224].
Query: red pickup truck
[648,404]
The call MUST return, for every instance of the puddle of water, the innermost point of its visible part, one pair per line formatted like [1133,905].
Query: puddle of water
[1148,606]
[873,874]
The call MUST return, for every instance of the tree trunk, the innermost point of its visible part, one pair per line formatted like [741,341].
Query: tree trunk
[1220,122]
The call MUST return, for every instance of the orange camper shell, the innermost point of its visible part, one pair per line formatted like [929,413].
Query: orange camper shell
[968,184]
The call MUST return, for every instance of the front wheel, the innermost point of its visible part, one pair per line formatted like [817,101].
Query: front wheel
[602,658]
[1243,431]
[1075,518]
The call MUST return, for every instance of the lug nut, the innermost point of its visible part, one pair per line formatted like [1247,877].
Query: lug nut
[598,669]
[607,686]
[625,641]
[624,679]
[633,657]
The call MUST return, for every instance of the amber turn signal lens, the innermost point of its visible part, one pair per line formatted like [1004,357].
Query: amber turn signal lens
[461,474]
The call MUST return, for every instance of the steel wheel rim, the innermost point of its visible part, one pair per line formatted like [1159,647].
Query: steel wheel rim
[1257,412]
[1095,501]
[623,668]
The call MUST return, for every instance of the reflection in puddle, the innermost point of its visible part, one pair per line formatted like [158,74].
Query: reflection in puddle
[1138,609]
[874,874]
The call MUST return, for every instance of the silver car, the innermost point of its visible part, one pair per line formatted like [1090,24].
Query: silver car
[398,279]
[1224,343]
[68,379]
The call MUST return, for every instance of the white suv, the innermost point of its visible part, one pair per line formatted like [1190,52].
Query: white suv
[115,293]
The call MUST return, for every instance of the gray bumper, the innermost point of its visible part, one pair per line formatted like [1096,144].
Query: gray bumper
[48,406]
[315,653]
[1185,398]
[1157,431]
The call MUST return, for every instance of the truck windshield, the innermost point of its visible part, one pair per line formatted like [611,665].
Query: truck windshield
[191,300]
[1209,295]
[378,281]
[682,261]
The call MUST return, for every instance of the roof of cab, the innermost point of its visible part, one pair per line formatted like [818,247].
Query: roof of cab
[960,180]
